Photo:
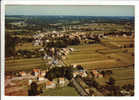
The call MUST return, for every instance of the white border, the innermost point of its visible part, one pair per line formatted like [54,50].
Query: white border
[72,2]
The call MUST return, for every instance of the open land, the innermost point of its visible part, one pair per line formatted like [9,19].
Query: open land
[113,52]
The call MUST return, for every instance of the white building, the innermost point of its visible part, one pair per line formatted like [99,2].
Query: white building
[50,84]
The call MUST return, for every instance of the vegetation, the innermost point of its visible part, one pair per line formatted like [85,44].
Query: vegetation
[60,72]
[65,91]
[104,44]
[33,90]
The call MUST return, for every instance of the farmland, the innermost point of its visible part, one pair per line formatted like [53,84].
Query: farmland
[98,56]
[91,57]
[95,56]
[66,91]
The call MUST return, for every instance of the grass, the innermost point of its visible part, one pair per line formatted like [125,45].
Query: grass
[27,46]
[23,64]
[91,56]
[64,91]
[125,82]
[85,53]
[122,76]
[126,73]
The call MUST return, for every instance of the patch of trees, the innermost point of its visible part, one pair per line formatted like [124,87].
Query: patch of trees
[22,39]
[113,89]
[9,46]
[60,72]
[128,87]
[56,44]
[106,72]
[91,83]
[74,41]
[13,19]
[33,90]
[26,53]
[118,33]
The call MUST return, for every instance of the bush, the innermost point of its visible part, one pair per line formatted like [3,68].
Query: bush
[111,81]
[33,89]
[60,72]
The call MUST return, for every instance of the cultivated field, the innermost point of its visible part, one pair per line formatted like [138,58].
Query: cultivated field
[104,57]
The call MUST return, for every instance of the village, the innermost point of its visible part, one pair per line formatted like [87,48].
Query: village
[73,60]
[82,80]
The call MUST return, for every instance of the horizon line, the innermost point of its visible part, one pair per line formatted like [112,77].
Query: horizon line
[68,15]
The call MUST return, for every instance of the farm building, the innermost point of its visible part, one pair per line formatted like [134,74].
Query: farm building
[50,84]
[96,74]
[36,72]
[61,81]
[22,73]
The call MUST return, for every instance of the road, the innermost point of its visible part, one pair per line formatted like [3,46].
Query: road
[79,89]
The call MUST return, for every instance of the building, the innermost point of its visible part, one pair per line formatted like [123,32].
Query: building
[96,74]
[36,72]
[43,73]
[61,81]
[22,73]
[50,84]
[40,78]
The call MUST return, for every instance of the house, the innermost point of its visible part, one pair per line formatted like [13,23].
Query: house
[29,82]
[74,66]
[124,35]
[61,81]
[124,92]
[63,57]
[41,78]
[75,74]
[83,74]
[87,90]
[36,72]
[50,84]
[79,67]
[97,74]
[100,76]
[42,49]
[43,73]
[71,49]
[22,73]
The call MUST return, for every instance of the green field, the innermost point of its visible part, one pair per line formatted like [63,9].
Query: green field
[98,56]
[91,56]
[65,91]
[23,64]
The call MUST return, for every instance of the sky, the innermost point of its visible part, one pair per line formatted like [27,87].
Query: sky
[74,10]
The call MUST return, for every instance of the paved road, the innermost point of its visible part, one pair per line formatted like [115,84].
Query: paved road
[79,88]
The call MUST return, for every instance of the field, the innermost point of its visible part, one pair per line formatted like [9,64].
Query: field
[90,56]
[23,64]
[65,91]
[97,56]
[103,57]
[35,46]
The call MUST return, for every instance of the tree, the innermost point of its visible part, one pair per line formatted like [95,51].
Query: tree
[9,46]
[59,72]
[33,89]
[111,81]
